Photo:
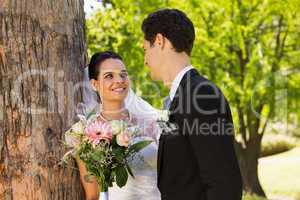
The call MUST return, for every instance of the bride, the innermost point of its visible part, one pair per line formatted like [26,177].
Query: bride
[109,78]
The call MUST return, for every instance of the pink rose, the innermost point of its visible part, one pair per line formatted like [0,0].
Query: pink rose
[123,139]
[98,131]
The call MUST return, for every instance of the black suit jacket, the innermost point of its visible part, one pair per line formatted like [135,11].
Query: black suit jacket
[198,161]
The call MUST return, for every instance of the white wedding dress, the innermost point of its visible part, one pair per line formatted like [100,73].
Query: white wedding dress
[144,185]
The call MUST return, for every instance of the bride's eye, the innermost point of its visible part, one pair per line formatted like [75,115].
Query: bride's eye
[123,75]
[108,76]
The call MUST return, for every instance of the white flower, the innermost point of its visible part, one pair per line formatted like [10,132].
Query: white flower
[71,139]
[118,126]
[123,139]
[77,128]
[133,130]
[163,115]
[72,136]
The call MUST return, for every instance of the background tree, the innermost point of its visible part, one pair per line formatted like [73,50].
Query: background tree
[42,47]
[248,48]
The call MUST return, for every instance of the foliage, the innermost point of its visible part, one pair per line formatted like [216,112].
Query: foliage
[295,131]
[252,197]
[274,144]
[297,196]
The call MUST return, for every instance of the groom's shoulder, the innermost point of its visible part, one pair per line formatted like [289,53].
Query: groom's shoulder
[196,77]
[201,84]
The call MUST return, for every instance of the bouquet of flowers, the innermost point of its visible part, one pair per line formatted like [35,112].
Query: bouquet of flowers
[105,148]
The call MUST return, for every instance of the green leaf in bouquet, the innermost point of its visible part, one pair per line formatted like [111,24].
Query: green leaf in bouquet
[139,146]
[119,153]
[129,170]
[114,140]
[84,147]
[96,156]
[121,176]
[93,169]
[113,177]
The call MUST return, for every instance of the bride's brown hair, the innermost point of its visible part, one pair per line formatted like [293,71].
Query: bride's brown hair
[97,59]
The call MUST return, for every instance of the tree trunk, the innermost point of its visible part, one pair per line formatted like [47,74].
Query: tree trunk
[248,161]
[42,51]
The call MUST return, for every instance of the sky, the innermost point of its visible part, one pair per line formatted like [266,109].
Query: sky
[90,6]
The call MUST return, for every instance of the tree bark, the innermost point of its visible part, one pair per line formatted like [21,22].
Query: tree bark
[248,161]
[42,53]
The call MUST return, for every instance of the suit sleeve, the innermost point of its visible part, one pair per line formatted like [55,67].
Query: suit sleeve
[209,129]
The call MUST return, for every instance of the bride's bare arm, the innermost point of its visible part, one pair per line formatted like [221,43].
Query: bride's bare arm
[90,188]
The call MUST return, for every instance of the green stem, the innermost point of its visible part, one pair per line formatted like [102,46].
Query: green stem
[103,187]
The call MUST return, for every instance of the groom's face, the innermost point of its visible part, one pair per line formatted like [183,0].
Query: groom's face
[152,59]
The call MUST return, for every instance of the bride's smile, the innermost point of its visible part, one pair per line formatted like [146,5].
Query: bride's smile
[119,90]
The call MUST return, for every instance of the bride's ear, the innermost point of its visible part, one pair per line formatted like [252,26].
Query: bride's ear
[93,84]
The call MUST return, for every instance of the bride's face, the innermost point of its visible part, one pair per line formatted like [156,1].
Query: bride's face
[112,83]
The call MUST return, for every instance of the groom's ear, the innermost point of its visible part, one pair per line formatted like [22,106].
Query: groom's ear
[160,40]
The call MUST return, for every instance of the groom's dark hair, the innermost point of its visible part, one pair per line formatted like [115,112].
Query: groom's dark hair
[97,59]
[172,24]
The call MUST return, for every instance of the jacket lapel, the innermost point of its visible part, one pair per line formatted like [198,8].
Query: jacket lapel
[185,82]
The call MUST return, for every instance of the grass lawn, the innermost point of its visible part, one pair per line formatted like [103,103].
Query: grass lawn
[280,174]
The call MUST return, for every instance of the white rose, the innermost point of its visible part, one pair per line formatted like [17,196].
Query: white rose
[123,139]
[118,126]
[77,128]
[72,136]
[71,140]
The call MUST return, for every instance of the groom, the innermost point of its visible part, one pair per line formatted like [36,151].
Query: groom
[198,161]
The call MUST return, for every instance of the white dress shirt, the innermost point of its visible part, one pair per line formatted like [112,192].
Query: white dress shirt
[177,80]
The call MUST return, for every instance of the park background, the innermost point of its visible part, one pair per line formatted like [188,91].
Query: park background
[250,49]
